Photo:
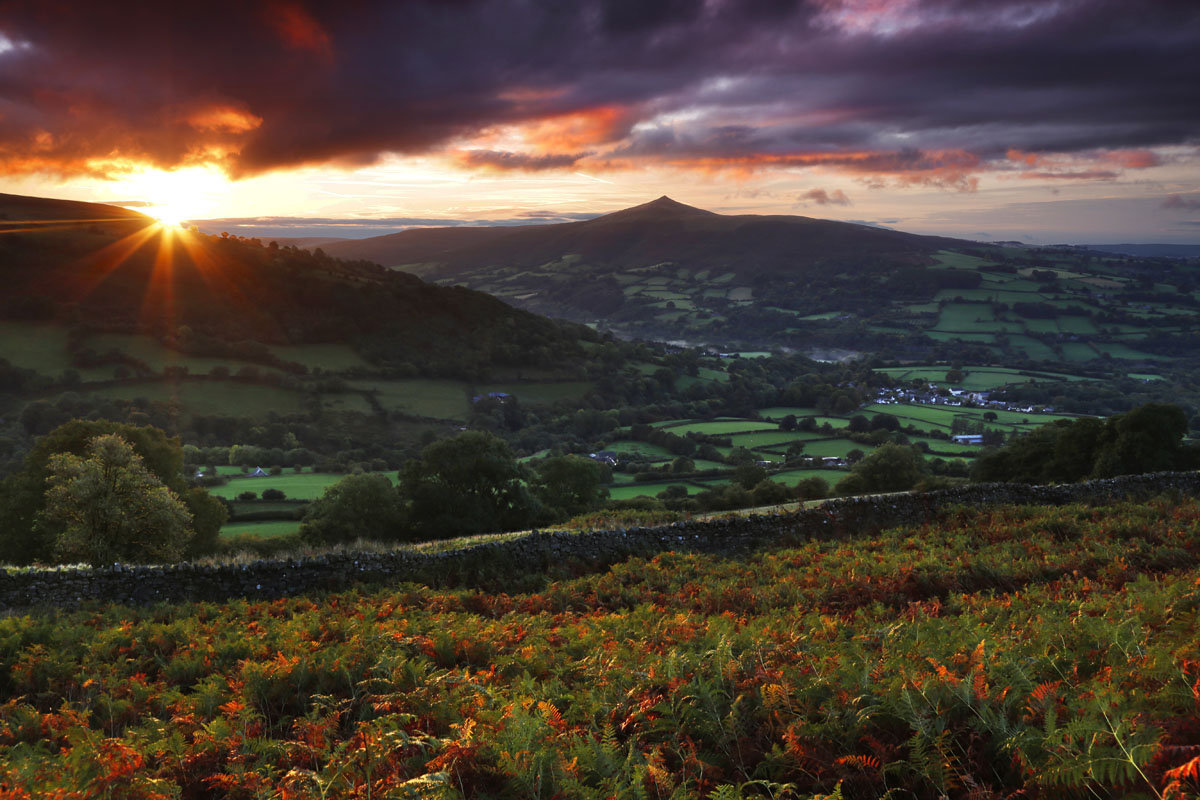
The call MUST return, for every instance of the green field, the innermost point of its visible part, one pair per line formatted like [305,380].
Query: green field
[631,490]
[793,476]
[37,346]
[306,486]
[264,530]
[226,398]
[772,438]
[653,452]
[421,397]
[1078,351]
[158,356]
[1034,349]
[720,427]
[328,357]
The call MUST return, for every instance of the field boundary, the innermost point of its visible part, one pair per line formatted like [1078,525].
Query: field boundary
[544,553]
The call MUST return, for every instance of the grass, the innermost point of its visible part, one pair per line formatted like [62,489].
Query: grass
[720,427]
[306,486]
[421,397]
[792,477]
[630,490]
[1078,351]
[770,438]
[264,530]
[652,451]
[37,346]
[329,357]
[1034,349]
[1081,326]
[226,398]
[947,259]
[158,356]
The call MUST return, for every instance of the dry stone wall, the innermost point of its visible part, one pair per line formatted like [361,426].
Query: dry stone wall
[545,553]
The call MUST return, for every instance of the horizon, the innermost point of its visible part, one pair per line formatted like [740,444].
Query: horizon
[1044,123]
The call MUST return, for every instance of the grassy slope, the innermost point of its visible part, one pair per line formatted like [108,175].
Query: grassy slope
[1050,652]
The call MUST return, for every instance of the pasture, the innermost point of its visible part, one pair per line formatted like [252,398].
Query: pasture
[305,486]
[268,529]
[420,397]
[209,397]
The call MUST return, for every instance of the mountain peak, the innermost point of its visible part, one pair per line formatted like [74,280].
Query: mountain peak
[664,208]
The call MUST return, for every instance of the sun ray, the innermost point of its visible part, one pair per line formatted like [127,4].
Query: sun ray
[218,276]
[158,298]
[103,262]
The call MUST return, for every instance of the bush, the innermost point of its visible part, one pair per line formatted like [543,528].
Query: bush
[273,494]
[248,496]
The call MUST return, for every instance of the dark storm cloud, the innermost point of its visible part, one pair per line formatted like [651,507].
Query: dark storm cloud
[932,90]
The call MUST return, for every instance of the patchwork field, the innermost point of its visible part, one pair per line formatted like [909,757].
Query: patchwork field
[769,444]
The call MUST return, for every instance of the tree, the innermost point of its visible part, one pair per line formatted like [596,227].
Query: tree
[769,493]
[890,468]
[109,507]
[570,485]
[22,540]
[1146,439]
[749,475]
[813,488]
[465,485]
[363,506]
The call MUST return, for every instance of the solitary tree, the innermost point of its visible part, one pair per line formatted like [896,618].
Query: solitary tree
[356,507]
[465,485]
[570,485]
[109,507]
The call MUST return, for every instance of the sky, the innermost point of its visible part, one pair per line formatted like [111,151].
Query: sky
[1042,121]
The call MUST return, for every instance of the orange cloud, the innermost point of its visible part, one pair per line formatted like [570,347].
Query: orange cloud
[1102,165]
[297,28]
[579,129]
[223,118]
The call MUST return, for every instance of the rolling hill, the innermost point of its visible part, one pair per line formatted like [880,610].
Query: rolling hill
[667,271]
[114,270]
[662,230]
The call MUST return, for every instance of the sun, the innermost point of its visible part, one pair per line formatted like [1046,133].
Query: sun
[168,216]
[177,196]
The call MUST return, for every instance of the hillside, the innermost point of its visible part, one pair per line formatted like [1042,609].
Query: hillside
[669,271]
[120,271]
[107,312]
[662,230]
